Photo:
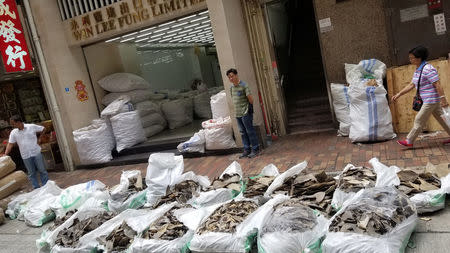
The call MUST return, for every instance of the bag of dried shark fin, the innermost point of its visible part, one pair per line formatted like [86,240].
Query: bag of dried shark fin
[63,235]
[291,227]
[375,220]
[231,226]
[184,189]
[129,194]
[425,187]
[313,189]
[117,234]
[350,181]
[256,186]
[170,233]
[227,186]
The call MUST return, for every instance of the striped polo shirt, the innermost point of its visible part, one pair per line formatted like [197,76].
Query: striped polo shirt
[239,95]
[427,92]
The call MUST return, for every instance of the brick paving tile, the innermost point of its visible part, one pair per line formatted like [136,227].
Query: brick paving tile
[322,151]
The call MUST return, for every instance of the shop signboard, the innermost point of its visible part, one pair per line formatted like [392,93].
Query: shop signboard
[13,45]
[125,16]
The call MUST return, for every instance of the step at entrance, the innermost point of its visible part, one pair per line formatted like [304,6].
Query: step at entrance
[309,115]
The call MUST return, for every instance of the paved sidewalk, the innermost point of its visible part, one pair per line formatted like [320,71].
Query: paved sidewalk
[323,151]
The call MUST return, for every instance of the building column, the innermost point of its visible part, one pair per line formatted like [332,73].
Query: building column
[65,65]
[233,51]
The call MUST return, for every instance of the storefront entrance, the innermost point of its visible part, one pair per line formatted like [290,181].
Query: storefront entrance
[297,50]
[22,94]
[179,61]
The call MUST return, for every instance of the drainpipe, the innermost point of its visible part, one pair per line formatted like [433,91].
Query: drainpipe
[47,85]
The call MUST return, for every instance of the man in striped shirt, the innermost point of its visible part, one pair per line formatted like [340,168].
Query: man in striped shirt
[243,107]
[426,80]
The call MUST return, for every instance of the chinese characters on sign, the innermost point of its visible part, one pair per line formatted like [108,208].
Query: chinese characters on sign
[13,46]
[123,15]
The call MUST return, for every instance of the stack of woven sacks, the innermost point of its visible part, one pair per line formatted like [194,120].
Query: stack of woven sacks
[138,90]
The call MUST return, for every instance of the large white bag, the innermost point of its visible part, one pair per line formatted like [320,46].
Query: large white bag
[152,130]
[219,105]
[138,220]
[341,104]
[162,171]
[153,119]
[219,134]
[370,114]
[93,206]
[365,71]
[119,105]
[384,201]
[281,231]
[123,82]
[147,107]
[136,96]
[122,198]
[128,131]
[178,112]
[426,202]
[94,143]
[24,202]
[221,195]
[239,241]
[74,196]
[188,216]
[195,144]
[202,106]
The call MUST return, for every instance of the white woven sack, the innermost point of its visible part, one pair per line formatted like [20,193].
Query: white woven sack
[147,107]
[93,144]
[152,130]
[123,82]
[136,96]
[119,105]
[219,134]
[128,131]
[369,114]
[219,105]
[178,112]
[202,106]
[341,104]
[153,119]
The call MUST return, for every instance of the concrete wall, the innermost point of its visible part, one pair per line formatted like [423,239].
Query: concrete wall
[65,65]
[359,32]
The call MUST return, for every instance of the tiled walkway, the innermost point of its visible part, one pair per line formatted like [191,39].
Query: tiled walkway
[323,151]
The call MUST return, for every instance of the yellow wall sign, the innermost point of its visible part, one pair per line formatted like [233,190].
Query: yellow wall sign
[124,16]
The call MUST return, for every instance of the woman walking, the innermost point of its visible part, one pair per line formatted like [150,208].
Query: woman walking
[430,95]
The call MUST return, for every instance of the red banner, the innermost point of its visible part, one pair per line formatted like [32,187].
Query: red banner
[13,45]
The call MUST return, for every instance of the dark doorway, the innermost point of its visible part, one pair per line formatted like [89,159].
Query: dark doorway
[298,53]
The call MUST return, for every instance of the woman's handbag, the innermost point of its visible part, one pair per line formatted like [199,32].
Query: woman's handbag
[417,101]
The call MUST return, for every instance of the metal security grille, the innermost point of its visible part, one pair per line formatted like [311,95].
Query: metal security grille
[73,8]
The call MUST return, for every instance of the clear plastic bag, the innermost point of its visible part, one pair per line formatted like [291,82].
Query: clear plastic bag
[279,181]
[384,201]
[162,171]
[18,205]
[240,241]
[74,196]
[278,233]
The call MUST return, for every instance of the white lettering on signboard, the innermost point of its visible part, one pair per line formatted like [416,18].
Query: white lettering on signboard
[14,55]
[4,10]
[8,31]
